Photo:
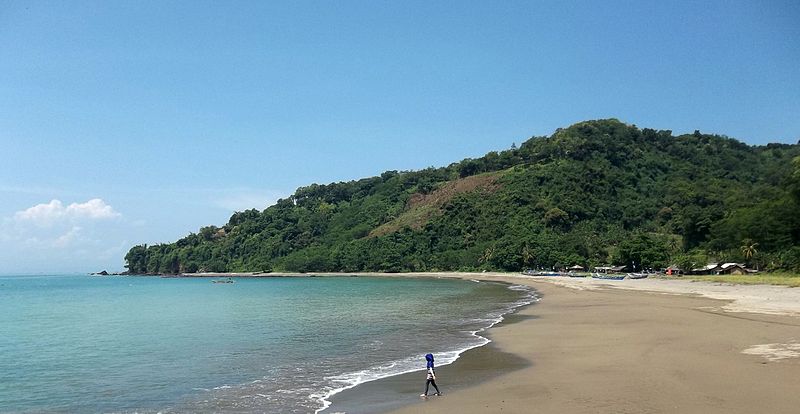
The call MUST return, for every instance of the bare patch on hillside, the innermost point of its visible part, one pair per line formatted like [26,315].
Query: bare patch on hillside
[421,208]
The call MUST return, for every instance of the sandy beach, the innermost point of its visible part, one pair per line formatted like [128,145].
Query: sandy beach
[633,346]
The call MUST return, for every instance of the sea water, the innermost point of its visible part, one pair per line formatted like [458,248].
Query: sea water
[147,344]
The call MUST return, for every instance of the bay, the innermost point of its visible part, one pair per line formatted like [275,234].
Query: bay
[75,343]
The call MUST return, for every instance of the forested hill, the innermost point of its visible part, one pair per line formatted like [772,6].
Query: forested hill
[598,192]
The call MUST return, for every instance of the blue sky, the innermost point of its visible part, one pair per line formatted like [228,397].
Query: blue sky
[138,122]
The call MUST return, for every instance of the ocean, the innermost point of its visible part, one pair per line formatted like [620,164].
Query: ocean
[74,343]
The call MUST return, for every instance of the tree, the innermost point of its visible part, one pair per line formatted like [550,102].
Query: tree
[673,246]
[748,249]
[794,178]
[136,259]
[556,217]
[527,255]
[596,192]
[691,260]
[487,254]
[468,168]
[643,251]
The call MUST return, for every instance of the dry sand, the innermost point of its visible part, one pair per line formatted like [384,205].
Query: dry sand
[639,346]
[604,346]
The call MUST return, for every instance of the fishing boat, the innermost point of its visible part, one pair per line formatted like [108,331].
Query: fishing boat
[607,277]
[548,274]
[530,272]
[637,275]
[228,280]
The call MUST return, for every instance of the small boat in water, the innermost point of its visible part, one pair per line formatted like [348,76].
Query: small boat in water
[228,280]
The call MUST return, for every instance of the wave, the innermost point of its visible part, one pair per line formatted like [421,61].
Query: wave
[312,391]
[409,364]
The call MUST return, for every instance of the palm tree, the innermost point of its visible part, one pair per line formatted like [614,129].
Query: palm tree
[527,254]
[673,247]
[673,244]
[487,255]
[749,249]
[469,240]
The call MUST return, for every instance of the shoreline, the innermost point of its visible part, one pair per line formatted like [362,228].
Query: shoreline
[769,299]
[399,391]
[345,397]
[651,345]
[610,347]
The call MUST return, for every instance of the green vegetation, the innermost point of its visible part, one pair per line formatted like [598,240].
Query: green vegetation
[598,192]
[776,278]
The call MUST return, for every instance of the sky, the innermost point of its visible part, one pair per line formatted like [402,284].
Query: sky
[124,123]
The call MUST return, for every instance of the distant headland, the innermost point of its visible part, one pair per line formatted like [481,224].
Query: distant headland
[598,193]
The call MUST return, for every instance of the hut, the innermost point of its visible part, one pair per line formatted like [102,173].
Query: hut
[731,269]
[576,268]
[709,269]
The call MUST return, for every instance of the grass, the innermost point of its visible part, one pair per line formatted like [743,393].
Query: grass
[777,278]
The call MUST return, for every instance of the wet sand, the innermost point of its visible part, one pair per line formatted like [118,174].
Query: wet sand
[608,347]
[474,366]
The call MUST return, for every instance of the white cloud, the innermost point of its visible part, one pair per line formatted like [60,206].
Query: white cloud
[70,235]
[66,239]
[94,209]
[54,227]
[55,212]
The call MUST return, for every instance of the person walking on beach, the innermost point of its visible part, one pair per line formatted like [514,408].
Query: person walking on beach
[431,377]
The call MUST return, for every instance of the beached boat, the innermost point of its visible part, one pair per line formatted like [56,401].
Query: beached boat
[548,274]
[540,273]
[637,275]
[607,277]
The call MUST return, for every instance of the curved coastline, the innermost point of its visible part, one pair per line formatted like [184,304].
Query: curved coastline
[349,380]
[640,345]
[628,346]
[470,368]
[356,379]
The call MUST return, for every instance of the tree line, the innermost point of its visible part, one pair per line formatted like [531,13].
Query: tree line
[598,192]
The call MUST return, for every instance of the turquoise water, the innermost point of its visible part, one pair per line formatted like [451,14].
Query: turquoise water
[147,344]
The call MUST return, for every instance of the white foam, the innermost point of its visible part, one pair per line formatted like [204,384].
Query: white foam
[406,365]
[321,392]
[411,364]
[775,352]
